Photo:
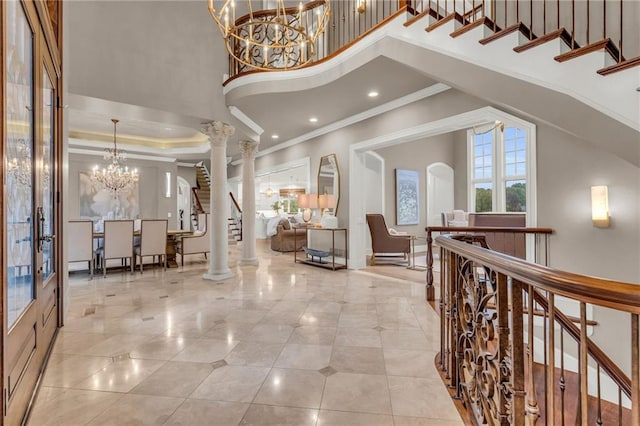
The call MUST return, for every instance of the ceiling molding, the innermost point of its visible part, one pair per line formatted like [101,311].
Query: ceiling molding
[129,155]
[98,146]
[380,109]
[139,140]
[235,111]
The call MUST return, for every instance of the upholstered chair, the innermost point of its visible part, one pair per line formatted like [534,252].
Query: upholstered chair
[385,245]
[283,240]
[118,242]
[81,243]
[198,242]
[153,241]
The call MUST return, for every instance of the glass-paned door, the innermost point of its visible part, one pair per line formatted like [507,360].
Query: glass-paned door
[31,211]
[19,160]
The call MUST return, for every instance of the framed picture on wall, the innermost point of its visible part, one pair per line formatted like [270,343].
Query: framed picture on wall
[407,193]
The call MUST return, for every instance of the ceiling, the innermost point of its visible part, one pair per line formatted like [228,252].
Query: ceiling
[284,114]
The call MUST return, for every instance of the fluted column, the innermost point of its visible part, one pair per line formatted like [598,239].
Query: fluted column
[218,133]
[249,149]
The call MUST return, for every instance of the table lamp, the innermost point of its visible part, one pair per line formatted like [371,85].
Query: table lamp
[307,202]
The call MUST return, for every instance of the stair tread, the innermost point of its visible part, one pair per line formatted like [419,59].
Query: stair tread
[561,33]
[620,66]
[513,28]
[605,44]
[477,23]
[451,17]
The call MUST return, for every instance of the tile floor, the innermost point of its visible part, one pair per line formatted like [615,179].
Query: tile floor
[278,344]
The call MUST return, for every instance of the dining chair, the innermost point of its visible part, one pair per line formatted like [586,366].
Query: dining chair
[81,243]
[153,241]
[118,242]
[198,242]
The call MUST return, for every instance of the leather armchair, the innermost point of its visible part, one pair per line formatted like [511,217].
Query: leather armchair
[385,245]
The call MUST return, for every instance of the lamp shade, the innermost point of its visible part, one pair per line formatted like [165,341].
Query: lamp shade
[327,201]
[308,201]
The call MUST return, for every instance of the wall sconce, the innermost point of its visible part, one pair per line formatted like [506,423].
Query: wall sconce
[167,185]
[362,6]
[600,206]
[307,202]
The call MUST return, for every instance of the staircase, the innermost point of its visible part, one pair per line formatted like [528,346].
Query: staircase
[543,43]
[235,221]
[200,194]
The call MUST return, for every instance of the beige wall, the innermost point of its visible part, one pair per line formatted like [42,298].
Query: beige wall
[414,156]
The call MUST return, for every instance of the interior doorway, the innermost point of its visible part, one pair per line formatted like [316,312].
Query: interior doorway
[184,204]
[440,192]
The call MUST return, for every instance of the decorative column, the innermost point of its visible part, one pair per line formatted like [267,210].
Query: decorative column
[249,149]
[218,133]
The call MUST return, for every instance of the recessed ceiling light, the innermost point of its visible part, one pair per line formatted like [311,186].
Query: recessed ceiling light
[373,94]
[313,120]
[168,128]
[274,136]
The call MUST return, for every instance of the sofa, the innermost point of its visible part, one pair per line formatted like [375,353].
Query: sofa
[283,239]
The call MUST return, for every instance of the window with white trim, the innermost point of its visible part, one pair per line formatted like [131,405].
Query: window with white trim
[499,169]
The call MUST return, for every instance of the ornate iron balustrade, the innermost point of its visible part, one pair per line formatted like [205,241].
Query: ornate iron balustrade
[513,357]
[350,20]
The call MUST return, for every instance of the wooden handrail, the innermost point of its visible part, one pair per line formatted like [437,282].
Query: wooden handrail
[430,289]
[272,12]
[196,198]
[597,291]
[235,202]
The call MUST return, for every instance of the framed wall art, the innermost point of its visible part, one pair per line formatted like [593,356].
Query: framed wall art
[407,193]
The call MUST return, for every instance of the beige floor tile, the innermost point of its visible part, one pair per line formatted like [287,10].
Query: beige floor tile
[402,362]
[161,347]
[327,307]
[360,337]
[305,357]
[205,350]
[138,410]
[421,421]
[74,343]
[292,388]
[405,339]
[73,369]
[232,383]
[200,412]
[254,354]
[120,376]
[363,393]
[358,320]
[230,332]
[284,416]
[319,319]
[416,397]
[357,360]
[116,345]
[70,406]
[247,316]
[309,335]
[344,418]
[176,379]
[272,333]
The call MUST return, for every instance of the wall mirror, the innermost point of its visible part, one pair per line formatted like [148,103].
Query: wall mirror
[329,184]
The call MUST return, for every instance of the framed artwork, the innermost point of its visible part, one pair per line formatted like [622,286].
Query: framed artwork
[407,201]
[96,203]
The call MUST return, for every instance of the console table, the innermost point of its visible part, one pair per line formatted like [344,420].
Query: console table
[314,257]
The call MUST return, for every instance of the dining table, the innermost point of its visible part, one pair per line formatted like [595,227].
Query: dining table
[173,235]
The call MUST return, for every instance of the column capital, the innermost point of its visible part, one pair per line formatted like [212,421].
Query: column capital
[248,148]
[218,132]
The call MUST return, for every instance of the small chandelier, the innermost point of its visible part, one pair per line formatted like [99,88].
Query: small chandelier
[277,39]
[116,177]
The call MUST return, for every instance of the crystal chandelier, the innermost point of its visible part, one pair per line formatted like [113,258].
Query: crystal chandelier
[115,177]
[276,39]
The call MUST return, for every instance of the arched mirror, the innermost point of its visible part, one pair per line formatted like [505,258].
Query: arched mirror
[329,184]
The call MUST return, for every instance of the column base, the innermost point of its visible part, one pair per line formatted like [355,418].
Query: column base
[218,277]
[249,262]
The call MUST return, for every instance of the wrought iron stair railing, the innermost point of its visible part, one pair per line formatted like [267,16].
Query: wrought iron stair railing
[509,366]
[584,25]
